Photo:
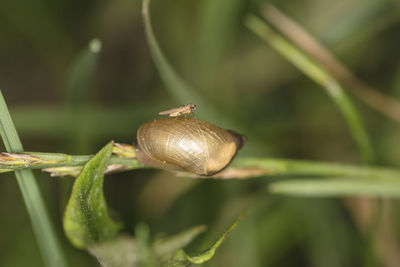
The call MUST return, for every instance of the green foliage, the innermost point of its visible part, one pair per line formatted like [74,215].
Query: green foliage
[43,228]
[169,245]
[210,252]
[202,54]
[178,88]
[86,219]
[88,225]
[81,75]
[180,258]
[121,251]
[317,179]
[126,251]
[338,187]
[319,75]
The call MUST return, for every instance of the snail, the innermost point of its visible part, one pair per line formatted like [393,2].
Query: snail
[186,144]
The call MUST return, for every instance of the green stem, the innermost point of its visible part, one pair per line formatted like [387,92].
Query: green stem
[60,164]
[243,168]
[286,167]
[43,228]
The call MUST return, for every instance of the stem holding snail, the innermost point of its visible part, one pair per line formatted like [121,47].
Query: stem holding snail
[241,168]
[59,164]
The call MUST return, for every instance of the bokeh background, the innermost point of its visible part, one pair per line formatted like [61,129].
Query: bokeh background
[283,113]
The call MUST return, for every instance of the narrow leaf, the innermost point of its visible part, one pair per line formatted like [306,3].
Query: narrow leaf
[308,168]
[78,95]
[48,243]
[86,220]
[146,257]
[209,253]
[82,71]
[318,74]
[175,84]
[171,244]
[177,87]
[179,259]
[313,48]
[337,187]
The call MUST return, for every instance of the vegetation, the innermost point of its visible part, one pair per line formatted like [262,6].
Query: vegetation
[316,184]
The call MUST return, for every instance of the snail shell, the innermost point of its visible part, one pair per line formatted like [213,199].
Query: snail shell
[186,144]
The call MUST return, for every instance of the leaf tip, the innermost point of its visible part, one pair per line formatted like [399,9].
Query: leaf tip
[95,46]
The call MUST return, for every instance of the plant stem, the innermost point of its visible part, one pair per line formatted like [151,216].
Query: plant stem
[241,168]
[60,164]
[48,242]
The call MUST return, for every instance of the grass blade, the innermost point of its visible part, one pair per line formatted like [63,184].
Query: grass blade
[173,243]
[338,187]
[81,74]
[78,95]
[387,105]
[86,220]
[320,76]
[248,168]
[178,88]
[304,168]
[181,91]
[43,229]
[214,40]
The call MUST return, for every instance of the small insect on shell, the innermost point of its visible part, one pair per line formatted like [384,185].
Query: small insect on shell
[186,144]
[176,112]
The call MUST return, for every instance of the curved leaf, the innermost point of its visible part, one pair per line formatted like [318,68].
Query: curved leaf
[209,253]
[86,220]
[177,87]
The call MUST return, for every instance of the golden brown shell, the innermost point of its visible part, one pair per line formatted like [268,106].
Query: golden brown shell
[186,143]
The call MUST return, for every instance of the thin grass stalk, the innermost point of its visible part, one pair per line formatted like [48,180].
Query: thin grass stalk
[49,245]
[318,74]
[382,103]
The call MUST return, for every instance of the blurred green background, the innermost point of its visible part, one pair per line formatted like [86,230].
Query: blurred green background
[282,112]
